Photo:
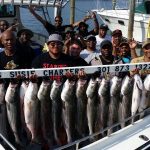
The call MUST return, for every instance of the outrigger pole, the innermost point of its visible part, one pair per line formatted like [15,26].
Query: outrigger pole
[72,11]
[131,19]
[113,4]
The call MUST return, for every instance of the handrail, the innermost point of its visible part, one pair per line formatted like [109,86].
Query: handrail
[50,3]
[77,142]
[7,142]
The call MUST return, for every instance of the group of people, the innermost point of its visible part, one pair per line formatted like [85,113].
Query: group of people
[67,47]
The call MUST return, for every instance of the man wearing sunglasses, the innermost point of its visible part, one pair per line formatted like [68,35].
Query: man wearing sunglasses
[57,27]
[54,58]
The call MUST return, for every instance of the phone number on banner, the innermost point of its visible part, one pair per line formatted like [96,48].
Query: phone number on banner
[62,71]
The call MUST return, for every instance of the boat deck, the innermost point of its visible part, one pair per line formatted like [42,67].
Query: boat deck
[130,137]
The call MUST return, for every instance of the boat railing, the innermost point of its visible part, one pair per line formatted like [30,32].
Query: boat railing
[50,3]
[5,143]
[77,142]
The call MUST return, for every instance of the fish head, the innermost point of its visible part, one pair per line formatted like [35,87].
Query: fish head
[25,84]
[2,86]
[81,83]
[70,83]
[138,81]
[91,87]
[127,85]
[68,90]
[81,87]
[104,87]
[11,92]
[56,90]
[57,83]
[44,89]
[115,85]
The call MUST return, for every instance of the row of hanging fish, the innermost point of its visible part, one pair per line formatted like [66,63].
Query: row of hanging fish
[58,112]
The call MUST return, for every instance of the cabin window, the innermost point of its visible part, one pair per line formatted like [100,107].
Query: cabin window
[107,20]
[7,11]
[121,22]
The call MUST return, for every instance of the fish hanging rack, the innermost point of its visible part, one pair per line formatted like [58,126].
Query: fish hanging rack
[46,72]
[50,3]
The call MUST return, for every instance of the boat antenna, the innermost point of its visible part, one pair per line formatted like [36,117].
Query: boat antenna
[114,4]
[131,19]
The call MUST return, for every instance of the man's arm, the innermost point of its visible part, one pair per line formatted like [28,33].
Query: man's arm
[96,24]
[76,24]
[38,17]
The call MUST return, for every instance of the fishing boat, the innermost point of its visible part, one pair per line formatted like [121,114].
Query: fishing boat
[10,10]
[119,19]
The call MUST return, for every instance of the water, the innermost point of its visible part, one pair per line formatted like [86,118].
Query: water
[81,9]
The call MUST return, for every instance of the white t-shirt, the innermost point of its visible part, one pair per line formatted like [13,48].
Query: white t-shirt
[89,55]
[99,40]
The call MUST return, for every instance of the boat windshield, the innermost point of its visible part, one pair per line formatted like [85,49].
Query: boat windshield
[7,11]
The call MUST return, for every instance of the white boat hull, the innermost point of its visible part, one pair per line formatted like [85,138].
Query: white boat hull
[119,19]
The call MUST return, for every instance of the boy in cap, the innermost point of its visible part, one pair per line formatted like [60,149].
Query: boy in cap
[106,57]
[127,52]
[102,35]
[116,40]
[90,52]
[144,58]
[83,27]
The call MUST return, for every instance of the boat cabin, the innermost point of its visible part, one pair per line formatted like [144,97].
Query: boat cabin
[143,7]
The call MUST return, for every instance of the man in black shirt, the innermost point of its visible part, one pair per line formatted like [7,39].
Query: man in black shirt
[23,45]
[55,58]
[11,58]
[57,27]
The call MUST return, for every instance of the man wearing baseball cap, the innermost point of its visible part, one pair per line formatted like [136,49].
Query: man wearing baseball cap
[90,52]
[106,57]
[144,58]
[116,40]
[102,35]
[54,58]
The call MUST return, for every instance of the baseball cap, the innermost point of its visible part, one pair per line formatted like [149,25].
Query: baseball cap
[146,42]
[69,29]
[103,26]
[91,38]
[117,31]
[105,42]
[82,24]
[25,30]
[55,37]
[124,43]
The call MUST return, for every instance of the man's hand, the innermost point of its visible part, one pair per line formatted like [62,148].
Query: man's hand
[132,44]
[13,27]
[81,74]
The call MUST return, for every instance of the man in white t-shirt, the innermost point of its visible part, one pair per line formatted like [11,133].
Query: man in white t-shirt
[102,35]
[90,52]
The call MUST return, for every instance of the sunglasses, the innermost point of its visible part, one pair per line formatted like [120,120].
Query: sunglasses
[58,20]
[53,44]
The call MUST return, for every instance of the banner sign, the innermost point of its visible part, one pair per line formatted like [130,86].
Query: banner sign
[62,71]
